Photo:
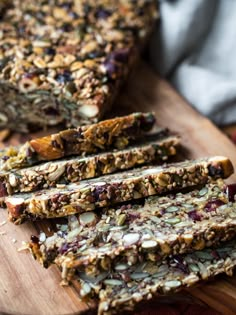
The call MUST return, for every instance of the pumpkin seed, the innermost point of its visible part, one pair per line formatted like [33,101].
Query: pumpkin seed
[172,221]
[172,209]
[87,218]
[203,255]
[139,275]
[203,191]
[173,284]
[113,282]
[149,244]
[193,268]
[131,238]
[121,267]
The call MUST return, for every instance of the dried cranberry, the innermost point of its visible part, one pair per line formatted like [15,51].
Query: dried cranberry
[194,215]
[66,27]
[120,55]
[111,192]
[29,75]
[98,191]
[64,248]
[180,264]
[3,190]
[111,68]
[231,192]
[64,77]
[50,51]
[133,216]
[215,171]
[103,13]
[125,207]
[212,205]
[70,170]
[5,158]
[215,254]
[34,239]
[55,198]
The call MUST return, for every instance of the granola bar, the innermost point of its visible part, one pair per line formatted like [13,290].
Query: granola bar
[107,134]
[128,285]
[63,62]
[72,170]
[171,224]
[115,188]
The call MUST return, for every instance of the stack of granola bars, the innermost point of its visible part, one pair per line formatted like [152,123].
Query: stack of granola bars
[132,227]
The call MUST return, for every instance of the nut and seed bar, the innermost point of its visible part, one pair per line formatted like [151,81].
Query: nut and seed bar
[128,285]
[163,225]
[72,170]
[115,188]
[63,61]
[108,134]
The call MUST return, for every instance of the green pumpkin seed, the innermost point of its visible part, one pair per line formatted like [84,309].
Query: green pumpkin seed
[139,275]
[121,267]
[155,219]
[203,255]
[203,191]
[113,282]
[173,284]
[172,209]
[172,221]
[193,268]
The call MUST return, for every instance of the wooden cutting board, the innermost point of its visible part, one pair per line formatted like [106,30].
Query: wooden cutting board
[27,288]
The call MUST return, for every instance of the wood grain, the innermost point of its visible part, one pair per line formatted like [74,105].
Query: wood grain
[27,288]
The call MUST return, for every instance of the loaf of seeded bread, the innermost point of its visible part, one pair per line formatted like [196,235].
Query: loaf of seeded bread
[63,62]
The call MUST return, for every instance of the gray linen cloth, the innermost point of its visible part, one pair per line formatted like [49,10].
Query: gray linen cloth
[194,46]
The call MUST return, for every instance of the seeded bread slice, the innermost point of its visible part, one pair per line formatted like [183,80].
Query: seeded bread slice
[113,133]
[127,285]
[71,170]
[115,188]
[162,226]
